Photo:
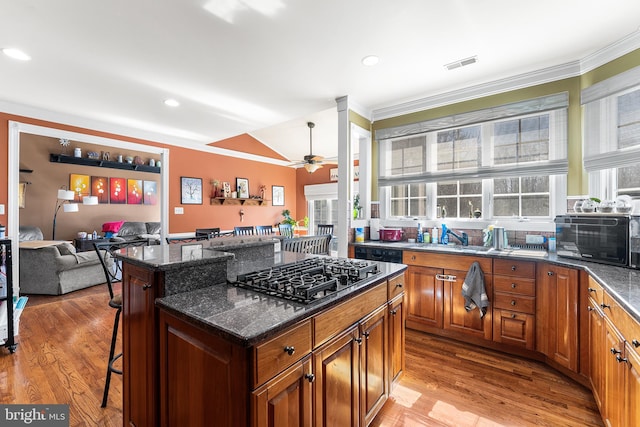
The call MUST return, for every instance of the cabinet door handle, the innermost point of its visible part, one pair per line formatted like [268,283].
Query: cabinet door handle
[513,302]
[513,268]
[446,277]
[513,286]
[366,335]
[290,350]
[591,290]
[310,377]
[399,285]
[358,340]
[621,359]
[614,351]
[589,308]
[145,287]
[549,273]
[393,312]
[413,257]
[635,343]
[603,305]
[513,315]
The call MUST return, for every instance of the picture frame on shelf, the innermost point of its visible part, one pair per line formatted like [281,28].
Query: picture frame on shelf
[242,187]
[190,190]
[277,195]
[226,189]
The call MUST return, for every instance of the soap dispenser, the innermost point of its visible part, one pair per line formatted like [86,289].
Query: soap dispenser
[444,239]
[419,237]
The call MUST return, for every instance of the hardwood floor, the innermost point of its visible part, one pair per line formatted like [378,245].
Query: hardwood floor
[64,342]
[61,357]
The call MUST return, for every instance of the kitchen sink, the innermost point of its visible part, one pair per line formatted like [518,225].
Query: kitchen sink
[452,248]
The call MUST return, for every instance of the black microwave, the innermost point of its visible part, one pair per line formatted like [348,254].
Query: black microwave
[607,238]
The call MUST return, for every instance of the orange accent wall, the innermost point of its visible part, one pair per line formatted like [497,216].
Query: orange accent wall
[247,144]
[186,162]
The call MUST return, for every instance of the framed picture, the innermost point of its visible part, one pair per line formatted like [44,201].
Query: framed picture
[79,184]
[150,192]
[100,188]
[226,189]
[117,191]
[190,191]
[134,191]
[277,195]
[242,187]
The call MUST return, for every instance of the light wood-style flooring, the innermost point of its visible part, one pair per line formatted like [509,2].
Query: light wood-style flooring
[64,342]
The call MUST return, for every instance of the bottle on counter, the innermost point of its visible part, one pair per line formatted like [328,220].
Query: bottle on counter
[95,235]
[444,239]
[434,235]
[420,236]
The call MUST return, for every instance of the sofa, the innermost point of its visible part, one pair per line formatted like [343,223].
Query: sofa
[54,268]
[122,231]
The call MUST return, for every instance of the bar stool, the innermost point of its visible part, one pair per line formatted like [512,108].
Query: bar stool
[113,274]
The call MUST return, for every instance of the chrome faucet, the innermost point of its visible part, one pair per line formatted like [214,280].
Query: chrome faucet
[464,239]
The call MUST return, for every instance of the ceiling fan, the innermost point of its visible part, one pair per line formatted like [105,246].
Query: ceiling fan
[311,161]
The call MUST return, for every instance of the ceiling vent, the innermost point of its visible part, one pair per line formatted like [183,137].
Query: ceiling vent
[461,63]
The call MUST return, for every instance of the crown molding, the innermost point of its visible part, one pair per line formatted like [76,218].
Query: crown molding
[545,75]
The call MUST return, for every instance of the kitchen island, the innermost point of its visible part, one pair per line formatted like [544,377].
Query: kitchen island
[225,355]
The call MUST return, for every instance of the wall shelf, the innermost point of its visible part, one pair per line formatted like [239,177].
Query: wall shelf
[236,201]
[61,158]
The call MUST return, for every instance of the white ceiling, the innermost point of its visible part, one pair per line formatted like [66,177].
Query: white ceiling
[266,67]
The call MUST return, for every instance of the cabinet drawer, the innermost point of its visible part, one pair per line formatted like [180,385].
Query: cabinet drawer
[395,287]
[440,260]
[330,323]
[507,267]
[514,285]
[273,356]
[595,291]
[514,302]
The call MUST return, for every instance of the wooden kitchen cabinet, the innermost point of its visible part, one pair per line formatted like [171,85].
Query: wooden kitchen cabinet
[597,351]
[396,339]
[632,389]
[456,317]
[514,303]
[337,370]
[286,400]
[140,346]
[557,314]
[374,364]
[424,295]
[614,377]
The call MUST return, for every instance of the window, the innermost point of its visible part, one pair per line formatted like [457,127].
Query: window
[612,135]
[512,165]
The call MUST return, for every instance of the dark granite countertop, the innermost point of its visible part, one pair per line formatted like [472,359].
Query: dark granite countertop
[246,317]
[622,283]
[176,256]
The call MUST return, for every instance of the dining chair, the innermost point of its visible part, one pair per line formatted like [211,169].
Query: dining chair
[113,273]
[209,233]
[264,230]
[243,231]
[324,229]
[174,240]
[285,230]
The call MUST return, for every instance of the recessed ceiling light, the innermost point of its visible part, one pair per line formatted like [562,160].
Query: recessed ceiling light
[370,60]
[171,103]
[16,54]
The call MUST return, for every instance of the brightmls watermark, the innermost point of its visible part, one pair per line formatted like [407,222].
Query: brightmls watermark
[34,415]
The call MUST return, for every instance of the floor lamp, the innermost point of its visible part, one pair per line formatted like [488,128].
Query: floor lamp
[64,196]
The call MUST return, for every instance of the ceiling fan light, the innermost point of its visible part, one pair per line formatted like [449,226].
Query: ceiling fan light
[312,167]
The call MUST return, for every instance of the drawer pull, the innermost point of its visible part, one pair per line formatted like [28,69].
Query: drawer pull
[621,359]
[290,350]
[513,302]
[145,287]
[513,315]
[549,273]
[603,305]
[399,285]
[591,290]
[614,351]
[310,377]
[513,268]
[446,277]
[513,286]
[413,257]
[393,312]
[589,308]
[635,343]
[358,340]
[366,335]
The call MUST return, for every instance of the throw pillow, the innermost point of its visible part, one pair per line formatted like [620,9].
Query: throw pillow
[66,249]
[112,227]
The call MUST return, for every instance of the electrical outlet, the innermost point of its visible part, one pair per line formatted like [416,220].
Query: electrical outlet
[178,211]
[534,239]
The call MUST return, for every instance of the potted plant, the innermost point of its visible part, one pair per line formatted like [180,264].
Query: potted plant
[288,220]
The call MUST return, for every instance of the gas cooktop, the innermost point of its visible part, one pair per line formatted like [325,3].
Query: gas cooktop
[308,280]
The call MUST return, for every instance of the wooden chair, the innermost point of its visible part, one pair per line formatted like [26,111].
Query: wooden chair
[113,273]
[324,229]
[318,245]
[263,230]
[285,230]
[243,231]
[209,233]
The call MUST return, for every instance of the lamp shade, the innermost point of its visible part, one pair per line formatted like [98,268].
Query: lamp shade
[312,167]
[70,207]
[65,194]
[90,200]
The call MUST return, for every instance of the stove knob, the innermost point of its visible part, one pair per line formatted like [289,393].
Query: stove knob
[289,350]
